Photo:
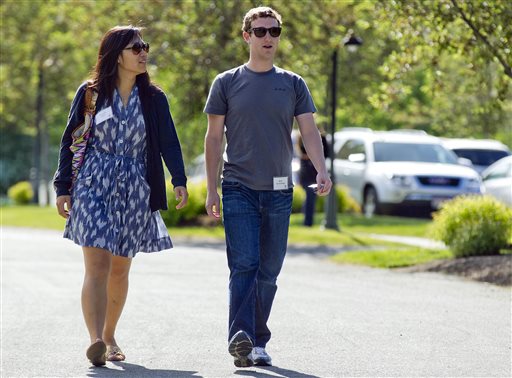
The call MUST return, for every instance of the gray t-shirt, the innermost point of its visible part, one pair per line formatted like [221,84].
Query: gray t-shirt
[259,109]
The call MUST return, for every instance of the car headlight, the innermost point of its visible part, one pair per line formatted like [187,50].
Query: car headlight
[402,180]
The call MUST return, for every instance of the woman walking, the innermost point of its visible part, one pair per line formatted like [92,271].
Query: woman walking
[112,206]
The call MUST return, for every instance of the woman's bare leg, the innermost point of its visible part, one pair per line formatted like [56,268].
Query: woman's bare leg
[117,291]
[94,290]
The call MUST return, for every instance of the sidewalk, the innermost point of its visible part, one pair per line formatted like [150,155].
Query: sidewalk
[411,240]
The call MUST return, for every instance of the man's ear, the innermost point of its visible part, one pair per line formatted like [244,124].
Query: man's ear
[247,37]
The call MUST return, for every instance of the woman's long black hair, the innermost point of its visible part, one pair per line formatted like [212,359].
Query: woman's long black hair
[104,75]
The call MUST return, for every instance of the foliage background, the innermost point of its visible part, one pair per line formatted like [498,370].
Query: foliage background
[421,65]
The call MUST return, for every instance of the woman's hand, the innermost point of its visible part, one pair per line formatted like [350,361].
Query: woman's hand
[182,196]
[64,206]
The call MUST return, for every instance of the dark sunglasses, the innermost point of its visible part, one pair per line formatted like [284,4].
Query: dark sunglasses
[261,32]
[137,47]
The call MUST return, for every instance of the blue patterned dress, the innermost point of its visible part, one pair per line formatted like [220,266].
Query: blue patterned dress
[110,201]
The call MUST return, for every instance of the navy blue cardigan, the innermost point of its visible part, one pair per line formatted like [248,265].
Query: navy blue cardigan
[161,138]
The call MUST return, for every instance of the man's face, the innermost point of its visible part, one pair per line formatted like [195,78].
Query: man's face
[262,47]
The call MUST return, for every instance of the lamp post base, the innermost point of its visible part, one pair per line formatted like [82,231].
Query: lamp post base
[330,221]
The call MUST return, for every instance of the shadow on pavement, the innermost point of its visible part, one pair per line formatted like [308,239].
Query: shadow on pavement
[133,370]
[276,370]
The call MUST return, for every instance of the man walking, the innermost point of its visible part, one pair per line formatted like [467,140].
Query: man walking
[255,105]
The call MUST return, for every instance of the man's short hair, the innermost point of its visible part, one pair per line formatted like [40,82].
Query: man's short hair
[259,12]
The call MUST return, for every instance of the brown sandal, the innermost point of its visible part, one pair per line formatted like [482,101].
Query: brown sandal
[96,353]
[114,353]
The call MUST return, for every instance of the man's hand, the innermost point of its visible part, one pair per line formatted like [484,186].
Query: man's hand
[181,194]
[324,184]
[213,204]
[64,206]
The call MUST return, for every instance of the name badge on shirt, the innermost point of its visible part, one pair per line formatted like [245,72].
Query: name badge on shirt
[280,183]
[103,115]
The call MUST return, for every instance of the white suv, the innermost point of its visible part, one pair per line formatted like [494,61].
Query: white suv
[481,152]
[403,169]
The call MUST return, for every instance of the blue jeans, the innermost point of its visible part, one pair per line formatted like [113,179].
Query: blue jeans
[256,225]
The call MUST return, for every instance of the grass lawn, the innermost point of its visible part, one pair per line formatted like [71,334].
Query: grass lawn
[47,218]
[353,228]
[386,225]
[392,258]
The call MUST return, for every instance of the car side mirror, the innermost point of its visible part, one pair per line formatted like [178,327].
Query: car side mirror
[465,162]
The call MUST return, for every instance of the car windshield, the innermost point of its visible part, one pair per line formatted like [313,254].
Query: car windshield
[481,157]
[426,153]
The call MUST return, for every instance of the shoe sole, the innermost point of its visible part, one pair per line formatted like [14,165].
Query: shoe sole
[240,347]
[96,353]
[243,362]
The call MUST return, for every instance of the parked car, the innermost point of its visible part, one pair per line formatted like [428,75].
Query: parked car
[497,180]
[481,152]
[388,171]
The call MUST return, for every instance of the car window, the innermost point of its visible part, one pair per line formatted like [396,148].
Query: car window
[352,146]
[499,171]
[426,153]
[480,157]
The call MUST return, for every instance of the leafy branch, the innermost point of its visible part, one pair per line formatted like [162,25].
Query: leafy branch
[493,50]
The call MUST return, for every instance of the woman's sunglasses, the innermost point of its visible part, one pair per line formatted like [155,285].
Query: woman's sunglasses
[261,32]
[137,47]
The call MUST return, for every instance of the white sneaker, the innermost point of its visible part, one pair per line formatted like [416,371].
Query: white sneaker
[260,357]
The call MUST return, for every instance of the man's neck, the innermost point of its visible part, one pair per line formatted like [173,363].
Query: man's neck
[260,66]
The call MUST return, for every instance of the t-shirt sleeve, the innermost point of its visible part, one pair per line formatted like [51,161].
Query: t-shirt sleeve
[217,101]
[304,101]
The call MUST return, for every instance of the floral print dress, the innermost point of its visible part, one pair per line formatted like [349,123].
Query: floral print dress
[110,200]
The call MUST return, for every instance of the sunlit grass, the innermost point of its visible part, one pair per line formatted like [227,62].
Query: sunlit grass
[32,217]
[392,258]
[378,225]
[47,217]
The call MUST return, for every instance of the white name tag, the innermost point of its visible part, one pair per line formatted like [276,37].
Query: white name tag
[103,115]
[280,183]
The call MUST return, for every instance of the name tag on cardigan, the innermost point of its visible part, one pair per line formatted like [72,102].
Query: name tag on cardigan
[103,115]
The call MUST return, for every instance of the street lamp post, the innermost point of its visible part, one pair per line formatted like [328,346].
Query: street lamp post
[352,42]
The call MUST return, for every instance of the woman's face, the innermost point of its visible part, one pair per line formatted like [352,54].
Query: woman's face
[134,57]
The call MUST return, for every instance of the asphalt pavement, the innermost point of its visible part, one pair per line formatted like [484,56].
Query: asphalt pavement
[328,320]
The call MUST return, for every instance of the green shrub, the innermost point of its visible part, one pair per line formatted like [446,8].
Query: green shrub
[345,203]
[195,209]
[299,197]
[190,213]
[21,193]
[473,225]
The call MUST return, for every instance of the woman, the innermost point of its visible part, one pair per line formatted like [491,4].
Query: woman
[112,209]
[307,176]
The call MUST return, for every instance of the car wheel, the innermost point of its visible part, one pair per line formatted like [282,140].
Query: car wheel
[371,202]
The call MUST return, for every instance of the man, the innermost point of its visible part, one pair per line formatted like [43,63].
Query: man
[256,104]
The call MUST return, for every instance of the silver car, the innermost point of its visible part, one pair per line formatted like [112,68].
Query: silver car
[497,180]
[388,171]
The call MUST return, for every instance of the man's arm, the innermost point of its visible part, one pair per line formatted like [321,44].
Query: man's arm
[313,144]
[212,155]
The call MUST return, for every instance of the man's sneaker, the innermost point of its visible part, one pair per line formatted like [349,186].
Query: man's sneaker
[260,357]
[240,347]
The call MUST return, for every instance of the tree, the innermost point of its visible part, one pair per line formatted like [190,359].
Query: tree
[449,52]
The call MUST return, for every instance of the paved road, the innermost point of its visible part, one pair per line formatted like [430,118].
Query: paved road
[328,320]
